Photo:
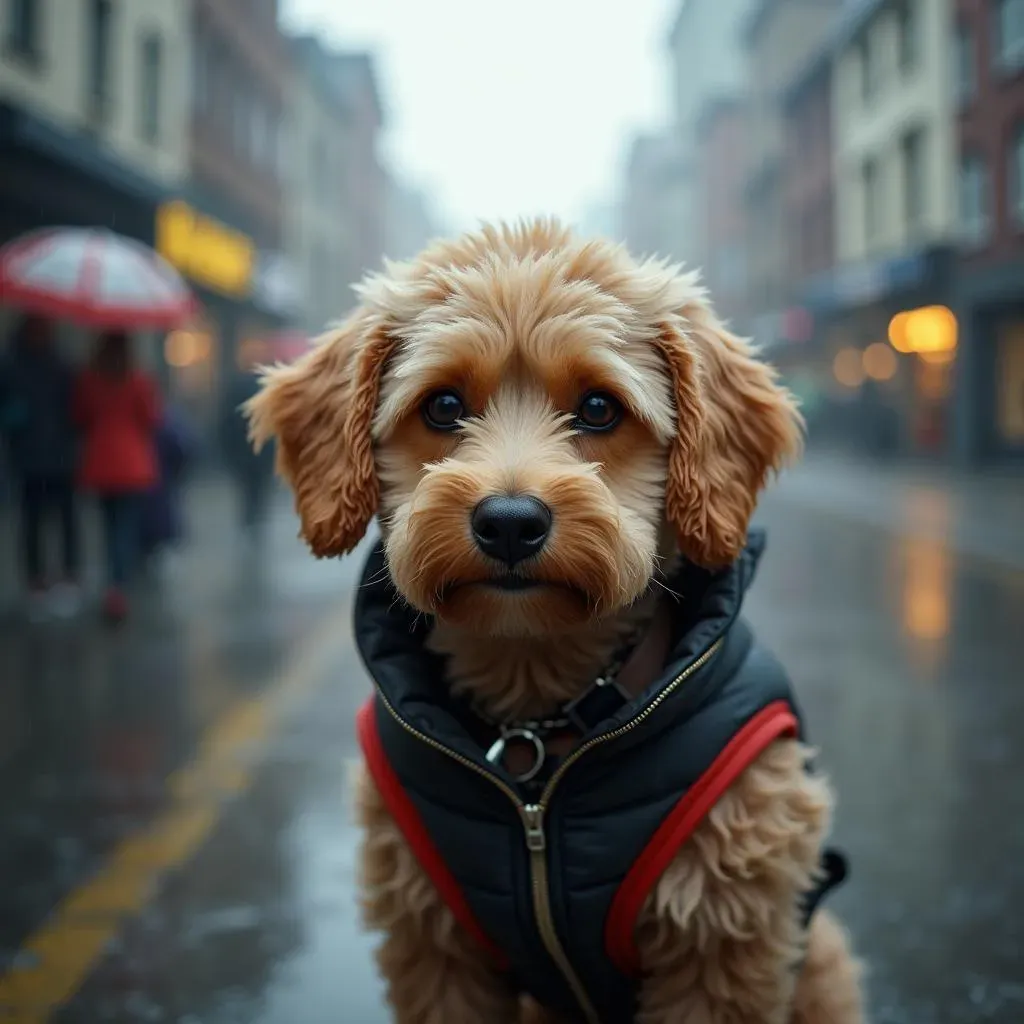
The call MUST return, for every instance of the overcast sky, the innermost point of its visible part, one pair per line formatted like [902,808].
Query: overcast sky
[503,110]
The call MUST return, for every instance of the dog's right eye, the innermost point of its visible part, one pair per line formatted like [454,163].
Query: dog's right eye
[443,409]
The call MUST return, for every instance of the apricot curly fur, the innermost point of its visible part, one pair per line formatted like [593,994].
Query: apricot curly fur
[521,321]
[320,408]
[725,450]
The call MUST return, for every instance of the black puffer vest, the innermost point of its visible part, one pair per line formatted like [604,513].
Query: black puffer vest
[551,885]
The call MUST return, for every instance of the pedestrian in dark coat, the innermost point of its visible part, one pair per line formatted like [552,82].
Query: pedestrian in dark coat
[36,386]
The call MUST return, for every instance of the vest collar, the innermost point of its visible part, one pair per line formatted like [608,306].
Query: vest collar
[391,639]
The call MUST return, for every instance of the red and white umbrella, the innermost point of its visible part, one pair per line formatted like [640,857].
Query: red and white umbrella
[95,277]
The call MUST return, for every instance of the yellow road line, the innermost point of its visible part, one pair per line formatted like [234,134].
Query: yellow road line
[58,957]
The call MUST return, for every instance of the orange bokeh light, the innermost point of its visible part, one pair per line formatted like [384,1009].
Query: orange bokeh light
[879,361]
[848,367]
[898,332]
[926,329]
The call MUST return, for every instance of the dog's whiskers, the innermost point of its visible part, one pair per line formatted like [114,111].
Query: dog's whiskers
[378,577]
[674,594]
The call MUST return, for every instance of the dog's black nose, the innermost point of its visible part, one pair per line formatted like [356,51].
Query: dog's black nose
[511,529]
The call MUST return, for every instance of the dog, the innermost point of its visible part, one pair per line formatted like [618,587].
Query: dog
[586,794]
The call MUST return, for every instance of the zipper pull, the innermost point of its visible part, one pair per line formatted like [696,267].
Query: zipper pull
[533,818]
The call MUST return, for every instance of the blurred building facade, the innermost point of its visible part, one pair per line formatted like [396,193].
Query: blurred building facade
[195,127]
[988,78]
[116,74]
[780,38]
[720,221]
[93,120]
[355,75]
[869,156]
[93,114]
[224,230]
[656,217]
[808,201]
[892,135]
[893,129]
[808,211]
[705,64]
[320,232]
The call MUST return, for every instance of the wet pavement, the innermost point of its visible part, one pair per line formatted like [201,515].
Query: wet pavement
[176,843]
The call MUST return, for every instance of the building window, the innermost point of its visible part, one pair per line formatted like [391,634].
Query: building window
[101,16]
[872,211]
[151,76]
[1009,31]
[914,185]
[974,218]
[965,66]
[907,35]
[1016,175]
[24,35]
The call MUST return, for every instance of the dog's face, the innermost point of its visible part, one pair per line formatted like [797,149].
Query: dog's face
[536,420]
[523,437]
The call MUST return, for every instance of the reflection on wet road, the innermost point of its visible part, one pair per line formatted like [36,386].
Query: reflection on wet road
[907,658]
[229,704]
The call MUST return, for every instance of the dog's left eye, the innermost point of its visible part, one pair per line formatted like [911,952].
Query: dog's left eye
[442,410]
[598,411]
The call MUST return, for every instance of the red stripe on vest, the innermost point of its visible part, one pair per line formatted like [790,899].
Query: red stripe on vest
[404,811]
[776,720]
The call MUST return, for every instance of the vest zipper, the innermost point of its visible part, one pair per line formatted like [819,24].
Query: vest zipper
[537,844]
[532,816]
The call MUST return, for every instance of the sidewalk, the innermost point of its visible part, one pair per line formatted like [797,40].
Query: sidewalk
[976,513]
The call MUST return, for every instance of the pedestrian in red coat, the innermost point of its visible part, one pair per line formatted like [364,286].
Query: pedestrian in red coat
[117,407]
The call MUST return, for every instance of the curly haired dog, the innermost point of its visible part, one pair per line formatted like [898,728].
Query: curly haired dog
[586,795]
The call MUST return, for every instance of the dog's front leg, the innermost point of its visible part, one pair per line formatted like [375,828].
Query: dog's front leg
[720,937]
[434,972]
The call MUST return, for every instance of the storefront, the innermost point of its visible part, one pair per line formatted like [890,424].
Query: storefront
[50,176]
[989,391]
[880,356]
[243,306]
[53,177]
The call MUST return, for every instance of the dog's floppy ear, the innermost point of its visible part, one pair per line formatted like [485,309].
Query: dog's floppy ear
[735,426]
[320,409]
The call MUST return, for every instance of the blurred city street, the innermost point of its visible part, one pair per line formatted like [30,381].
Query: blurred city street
[193,189]
[177,841]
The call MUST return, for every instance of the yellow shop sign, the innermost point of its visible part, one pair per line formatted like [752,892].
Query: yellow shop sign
[204,249]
